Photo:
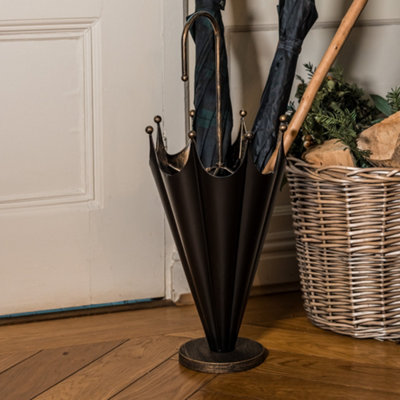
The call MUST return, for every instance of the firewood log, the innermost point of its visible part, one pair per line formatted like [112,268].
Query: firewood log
[332,152]
[383,141]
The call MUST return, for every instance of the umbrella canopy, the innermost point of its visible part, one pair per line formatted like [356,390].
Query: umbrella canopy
[204,121]
[296,18]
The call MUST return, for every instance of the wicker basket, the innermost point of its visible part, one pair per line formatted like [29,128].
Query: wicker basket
[347,227]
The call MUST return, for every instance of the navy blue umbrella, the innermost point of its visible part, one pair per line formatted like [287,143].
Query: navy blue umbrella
[296,17]
[204,121]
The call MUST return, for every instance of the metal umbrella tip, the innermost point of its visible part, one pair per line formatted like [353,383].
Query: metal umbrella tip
[157,119]
[149,130]
[243,113]
[184,78]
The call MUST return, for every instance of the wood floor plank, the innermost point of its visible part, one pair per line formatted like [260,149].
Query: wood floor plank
[7,360]
[295,323]
[263,385]
[169,381]
[112,373]
[100,328]
[205,394]
[305,362]
[48,367]
[339,372]
[331,346]
[81,330]
[263,310]
[320,344]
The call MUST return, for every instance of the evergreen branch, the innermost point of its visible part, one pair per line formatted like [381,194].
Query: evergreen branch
[340,110]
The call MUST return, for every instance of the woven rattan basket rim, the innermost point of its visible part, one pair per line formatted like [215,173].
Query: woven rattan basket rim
[339,174]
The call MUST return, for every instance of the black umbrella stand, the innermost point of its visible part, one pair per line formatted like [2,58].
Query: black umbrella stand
[218,218]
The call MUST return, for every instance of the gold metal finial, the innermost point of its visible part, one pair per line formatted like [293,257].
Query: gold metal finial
[192,135]
[192,113]
[283,118]
[184,78]
[149,130]
[157,119]
[249,136]
[307,141]
[307,144]
[282,127]
[243,113]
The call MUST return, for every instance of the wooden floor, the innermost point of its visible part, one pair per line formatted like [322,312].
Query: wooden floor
[133,355]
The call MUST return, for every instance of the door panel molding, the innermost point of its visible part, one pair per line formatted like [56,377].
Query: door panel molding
[80,38]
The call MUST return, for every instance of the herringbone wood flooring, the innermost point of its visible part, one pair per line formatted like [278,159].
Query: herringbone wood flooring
[133,355]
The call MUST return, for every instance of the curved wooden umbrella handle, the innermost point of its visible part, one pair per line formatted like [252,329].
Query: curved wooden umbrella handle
[323,68]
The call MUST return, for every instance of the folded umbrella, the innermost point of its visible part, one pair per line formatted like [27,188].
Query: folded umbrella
[296,18]
[327,60]
[204,120]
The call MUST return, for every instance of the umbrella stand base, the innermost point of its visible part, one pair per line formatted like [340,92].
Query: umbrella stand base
[196,355]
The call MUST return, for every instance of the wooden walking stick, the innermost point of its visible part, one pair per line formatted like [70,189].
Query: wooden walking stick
[323,68]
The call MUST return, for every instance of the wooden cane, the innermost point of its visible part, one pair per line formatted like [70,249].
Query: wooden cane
[323,68]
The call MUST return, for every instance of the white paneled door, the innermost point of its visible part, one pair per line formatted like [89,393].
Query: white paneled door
[80,220]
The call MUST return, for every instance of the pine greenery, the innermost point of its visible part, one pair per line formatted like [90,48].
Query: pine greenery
[341,110]
[393,98]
